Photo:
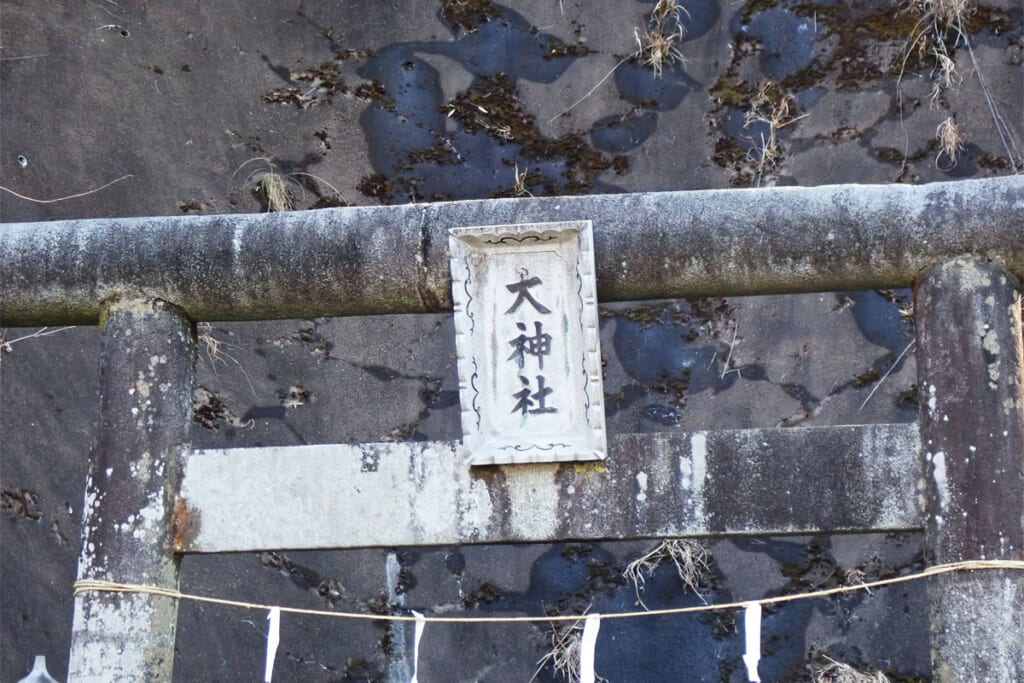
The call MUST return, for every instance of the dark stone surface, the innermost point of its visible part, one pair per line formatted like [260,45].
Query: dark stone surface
[182,98]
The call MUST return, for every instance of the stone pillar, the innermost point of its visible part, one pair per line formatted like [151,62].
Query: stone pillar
[147,363]
[971,387]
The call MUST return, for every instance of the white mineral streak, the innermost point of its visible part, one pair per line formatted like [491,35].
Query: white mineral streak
[87,558]
[533,501]
[432,492]
[641,489]
[892,508]
[106,651]
[990,342]
[941,485]
[693,471]
[398,667]
[151,518]
[474,506]
[236,244]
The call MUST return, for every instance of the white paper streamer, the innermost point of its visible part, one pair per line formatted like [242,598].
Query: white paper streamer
[273,639]
[38,674]
[752,631]
[420,623]
[587,642]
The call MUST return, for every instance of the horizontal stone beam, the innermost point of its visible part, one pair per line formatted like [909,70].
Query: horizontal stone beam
[756,481]
[394,259]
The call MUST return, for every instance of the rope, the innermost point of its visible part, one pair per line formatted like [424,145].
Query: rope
[96,586]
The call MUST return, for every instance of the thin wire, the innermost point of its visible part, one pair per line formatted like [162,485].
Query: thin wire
[887,373]
[591,91]
[94,585]
[1005,135]
[70,196]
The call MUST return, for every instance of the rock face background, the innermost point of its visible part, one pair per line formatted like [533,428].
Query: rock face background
[218,108]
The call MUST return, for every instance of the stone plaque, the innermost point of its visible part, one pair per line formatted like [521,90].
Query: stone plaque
[527,340]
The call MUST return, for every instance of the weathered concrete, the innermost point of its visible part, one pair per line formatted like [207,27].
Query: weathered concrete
[756,481]
[146,379]
[394,259]
[971,379]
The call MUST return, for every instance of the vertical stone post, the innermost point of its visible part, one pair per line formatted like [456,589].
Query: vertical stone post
[147,368]
[971,387]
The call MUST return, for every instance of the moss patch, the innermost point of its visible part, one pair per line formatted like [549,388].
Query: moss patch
[492,106]
[466,15]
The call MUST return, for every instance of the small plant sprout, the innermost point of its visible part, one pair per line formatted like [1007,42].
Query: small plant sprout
[656,45]
[951,143]
[691,559]
[837,672]
[564,655]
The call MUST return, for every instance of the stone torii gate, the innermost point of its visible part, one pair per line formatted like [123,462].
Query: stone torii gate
[958,474]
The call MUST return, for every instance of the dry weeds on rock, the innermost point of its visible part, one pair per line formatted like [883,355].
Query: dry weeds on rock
[278,190]
[776,109]
[936,35]
[215,351]
[520,188]
[691,560]
[656,45]
[837,672]
[939,30]
[950,143]
[564,655]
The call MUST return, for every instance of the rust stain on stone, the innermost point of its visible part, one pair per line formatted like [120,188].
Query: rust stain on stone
[184,524]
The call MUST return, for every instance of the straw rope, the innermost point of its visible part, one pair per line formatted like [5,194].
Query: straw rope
[96,586]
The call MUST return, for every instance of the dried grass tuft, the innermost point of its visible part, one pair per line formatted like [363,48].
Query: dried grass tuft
[777,109]
[947,14]
[837,672]
[691,559]
[939,31]
[275,190]
[520,189]
[951,143]
[948,77]
[656,45]
[280,190]
[215,351]
[564,655]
